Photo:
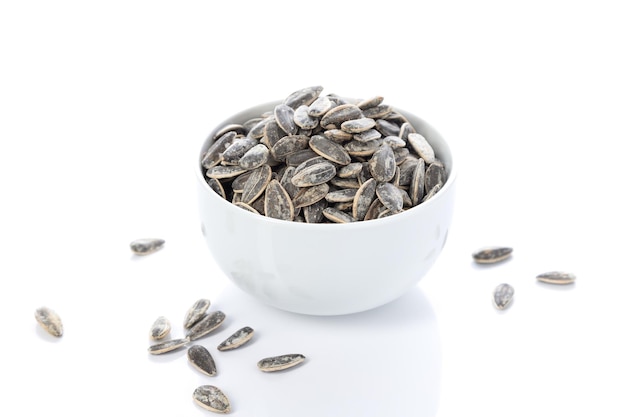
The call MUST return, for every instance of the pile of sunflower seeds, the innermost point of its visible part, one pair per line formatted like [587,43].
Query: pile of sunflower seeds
[199,323]
[324,158]
[503,294]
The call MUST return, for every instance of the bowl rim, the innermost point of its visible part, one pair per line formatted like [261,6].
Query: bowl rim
[413,211]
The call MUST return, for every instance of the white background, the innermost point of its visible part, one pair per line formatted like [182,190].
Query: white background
[103,109]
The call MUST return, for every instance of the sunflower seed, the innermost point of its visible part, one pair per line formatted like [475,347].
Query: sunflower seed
[341,196]
[237,339]
[284,118]
[432,192]
[374,210]
[200,357]
[358,125]
[490,255]
[314,175]
[370,102]
[329,150]
[302,118]
[304,96]
[256,184]
[217,187]
[272,133]
[285,181]
[337,135]
[224,171]
[351,170]
[213,156]
[320,106]
[378,112]
[237,128]
[358,148]
[421,146]
[363,199]
[254,157]
[416,187]
[435,174]
[50,321]
[502,296]
[211,398]
[160,328]
[383,164]
[237,149]
[557,277]
[339,114]
[405,130]
[278,204]
[367,135]
[146,246]
[196,312]
[314,212]
[298,157]
[238,183]
[288,145]
[345,183]
[337,216]
[390,196]
[258,130]
[278,363]
[207,324]
[167,346]
[395,142]
[387,128]
[310,195]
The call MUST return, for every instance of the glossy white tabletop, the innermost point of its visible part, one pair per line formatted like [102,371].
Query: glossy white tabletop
[104,108]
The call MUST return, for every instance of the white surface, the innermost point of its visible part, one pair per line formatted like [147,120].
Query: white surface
[103,109]
[322,270]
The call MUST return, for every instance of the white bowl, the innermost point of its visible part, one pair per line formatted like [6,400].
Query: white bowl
[327,269]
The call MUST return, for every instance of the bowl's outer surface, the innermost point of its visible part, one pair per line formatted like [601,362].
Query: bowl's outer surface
[327,269]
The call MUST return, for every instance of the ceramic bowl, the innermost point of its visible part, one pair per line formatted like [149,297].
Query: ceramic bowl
[326,269]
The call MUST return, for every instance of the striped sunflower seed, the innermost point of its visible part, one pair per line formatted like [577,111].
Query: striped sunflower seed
[224,171]
[337,216]
[363,199]
[208,323]
[557,277]
[302,118]
[421,146]
[146,246]
[217,187]
[255,157]
[284,118]
[310,195]
[288,145]
[211,398]
[50,321]
[351,170]
[416,187]
[432,192]
[200,358]
[502,296]
[167,346]
[358,125]
[196,312]
[256,184]
[329,150]
[435,174]
[237,339]
[339,114]
[237,149]
[359,148]
[377,112]
[278,204]
[279,363]
[490,255]
[304,96]
[213,155]
[390,196]
[314,175]
[370,102]
[338,135]
[383,164]
[341,196]
[272,133]
[367,135]
[406,129]
[314,213]
[320,106]
[160,328]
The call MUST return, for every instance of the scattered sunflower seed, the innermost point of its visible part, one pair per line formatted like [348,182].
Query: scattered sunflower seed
[278,204]
[211,398]
[160,328]
[206,325]
[168,346]
[50,321]
[502,296]
[196,312]
[492,255]
[278,363]
[146,246]
[557,277]
[237,339]
[200,357]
